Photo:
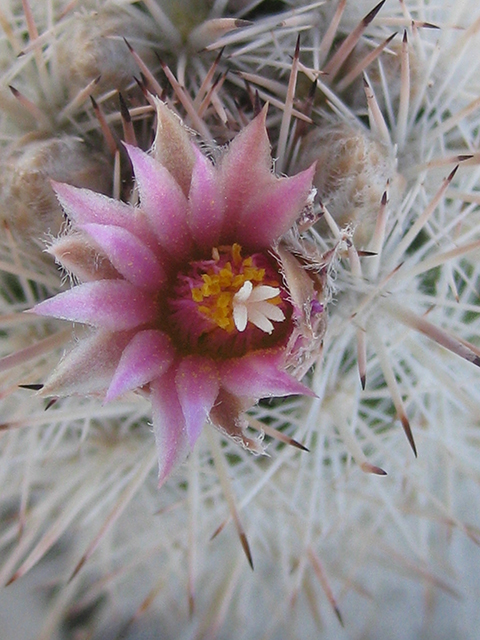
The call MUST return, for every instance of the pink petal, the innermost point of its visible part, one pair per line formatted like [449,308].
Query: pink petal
[197,385]
[77,256]
[168,425]
[206,203]
[245,170]
[163,201]
[83,206]
[275,210]
[89,366]
[228,415]
[136,262]
[146,357]
[112,304]
[260,375]
[172,146]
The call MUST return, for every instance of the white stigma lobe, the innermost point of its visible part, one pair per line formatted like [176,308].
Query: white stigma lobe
[250,304]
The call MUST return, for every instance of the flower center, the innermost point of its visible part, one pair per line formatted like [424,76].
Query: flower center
[230,303]
[233,294]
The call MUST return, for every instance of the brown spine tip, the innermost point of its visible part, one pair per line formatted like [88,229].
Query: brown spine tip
[257,107]
[77,569]
[219,55]
[409,434]
[242,23]
[476,361]
[372,468]
[363,381]
[130,48]
[124,109]
[32,387]
[191,605]
[297,48]
[140,85]
[339,615]
[405,39]
[298,445]
[246,548]
[384,199]
[12,579]
[371,15]
[162,62]
[452,173]
[378,471]
[15,92]
[218,530]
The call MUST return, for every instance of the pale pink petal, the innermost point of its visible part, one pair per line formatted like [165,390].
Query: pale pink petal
[89,366]
[163,201]
[83,206]
[168,425]
[111,304]
[77,256]
[271,214]
[147,356]
[260,375]
[136,262]
[245,171]
[206,203]
[172,146]
[197,385]
[228,415]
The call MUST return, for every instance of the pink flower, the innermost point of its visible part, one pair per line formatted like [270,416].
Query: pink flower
[187,292]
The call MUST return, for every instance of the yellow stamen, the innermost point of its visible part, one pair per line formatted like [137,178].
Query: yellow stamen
[220,285]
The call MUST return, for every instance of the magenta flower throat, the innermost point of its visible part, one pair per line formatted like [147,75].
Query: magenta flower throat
[191,294]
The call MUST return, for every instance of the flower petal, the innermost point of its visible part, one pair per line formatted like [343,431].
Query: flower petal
[197,385]
[163,201]
[206,203]
[245,171]
[228,415]
[147,356]
[112,304]
[136,262]
[260,375]
[274,211]
[168,425]
[83,206]
[172,146]
[89,366]
[77,256]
